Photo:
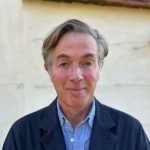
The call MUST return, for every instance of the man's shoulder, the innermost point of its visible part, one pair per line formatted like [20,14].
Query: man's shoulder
[126,127]
[119,117]
[32,120]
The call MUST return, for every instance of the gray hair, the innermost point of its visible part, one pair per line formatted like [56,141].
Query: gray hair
[78,26]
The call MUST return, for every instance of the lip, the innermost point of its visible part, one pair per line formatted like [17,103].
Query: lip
[75,89]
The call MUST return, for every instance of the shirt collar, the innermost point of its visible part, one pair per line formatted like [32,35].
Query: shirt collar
[91,114]
[61,115]
[89,118]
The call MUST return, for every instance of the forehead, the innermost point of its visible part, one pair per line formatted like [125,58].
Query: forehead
[76,37]
[76,43]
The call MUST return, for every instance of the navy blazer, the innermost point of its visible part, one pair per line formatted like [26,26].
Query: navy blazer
[112,130]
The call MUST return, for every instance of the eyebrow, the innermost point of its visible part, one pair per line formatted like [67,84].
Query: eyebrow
[61,56]
[88,55]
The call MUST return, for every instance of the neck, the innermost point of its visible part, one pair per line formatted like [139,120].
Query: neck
[76,115]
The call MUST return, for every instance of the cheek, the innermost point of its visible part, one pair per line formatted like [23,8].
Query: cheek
[92,76]
[58,77]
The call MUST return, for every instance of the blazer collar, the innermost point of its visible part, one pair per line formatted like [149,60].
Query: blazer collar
[102,137]
[50,129]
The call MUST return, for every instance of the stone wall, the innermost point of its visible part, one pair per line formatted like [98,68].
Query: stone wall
[24,84]
[11,89]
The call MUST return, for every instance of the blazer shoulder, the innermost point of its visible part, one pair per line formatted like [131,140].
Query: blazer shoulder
[31,119]
[125,126]
[120,117]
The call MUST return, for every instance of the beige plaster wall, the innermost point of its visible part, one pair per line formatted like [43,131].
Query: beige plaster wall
[11,89]
[25,86]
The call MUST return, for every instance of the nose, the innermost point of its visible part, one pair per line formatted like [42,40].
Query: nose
[76,74]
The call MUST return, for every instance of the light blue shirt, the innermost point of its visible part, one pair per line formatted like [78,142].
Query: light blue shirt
[78,138]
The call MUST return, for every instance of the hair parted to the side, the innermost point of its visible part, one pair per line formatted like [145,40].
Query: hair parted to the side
[77,26]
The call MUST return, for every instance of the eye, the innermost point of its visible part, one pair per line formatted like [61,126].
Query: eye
[64,65]
[87,64]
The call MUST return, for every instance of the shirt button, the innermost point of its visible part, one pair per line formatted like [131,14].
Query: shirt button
[67,122]
[72,140]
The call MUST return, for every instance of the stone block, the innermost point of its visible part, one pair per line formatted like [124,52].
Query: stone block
[10,41]
[12,102]
[37,97]
[127,65]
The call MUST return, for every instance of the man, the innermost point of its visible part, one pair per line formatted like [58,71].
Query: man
[73,54]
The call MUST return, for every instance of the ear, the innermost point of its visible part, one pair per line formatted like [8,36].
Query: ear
[48,70]
[46,67]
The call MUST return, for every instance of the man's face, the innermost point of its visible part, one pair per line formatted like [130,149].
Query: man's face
[74,71]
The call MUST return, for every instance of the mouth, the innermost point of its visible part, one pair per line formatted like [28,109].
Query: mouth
[75,89]
[76,92]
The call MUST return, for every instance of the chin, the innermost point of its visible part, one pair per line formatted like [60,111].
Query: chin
[78,101]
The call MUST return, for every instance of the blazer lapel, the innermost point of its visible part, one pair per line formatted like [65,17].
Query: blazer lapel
[50,130]
[51,135]
[102,138]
